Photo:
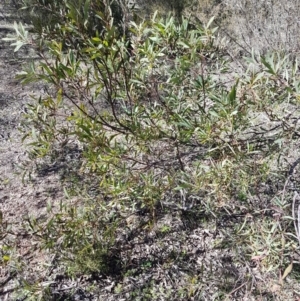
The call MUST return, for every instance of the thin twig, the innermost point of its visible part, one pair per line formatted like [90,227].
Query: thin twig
[236,289]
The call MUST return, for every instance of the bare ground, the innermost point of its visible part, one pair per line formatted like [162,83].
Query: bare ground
[18,200]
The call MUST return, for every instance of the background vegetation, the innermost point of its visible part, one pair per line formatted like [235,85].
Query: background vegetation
[185,151]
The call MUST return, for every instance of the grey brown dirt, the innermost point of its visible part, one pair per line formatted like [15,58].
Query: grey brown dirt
[18,200]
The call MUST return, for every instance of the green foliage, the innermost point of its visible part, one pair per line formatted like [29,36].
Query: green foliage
[162,122]
[49,17]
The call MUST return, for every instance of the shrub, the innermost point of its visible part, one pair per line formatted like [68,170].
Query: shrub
[86,17]
[162,122]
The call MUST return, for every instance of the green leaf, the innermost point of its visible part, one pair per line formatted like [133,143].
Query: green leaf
[213,113]
[85,129]
[86,9]
[184,44]
[268,66]
[96,40]
[9,39]
[6,258]
[232,95]
[18,45]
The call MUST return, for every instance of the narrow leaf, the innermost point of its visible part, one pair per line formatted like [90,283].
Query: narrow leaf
[287,271]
